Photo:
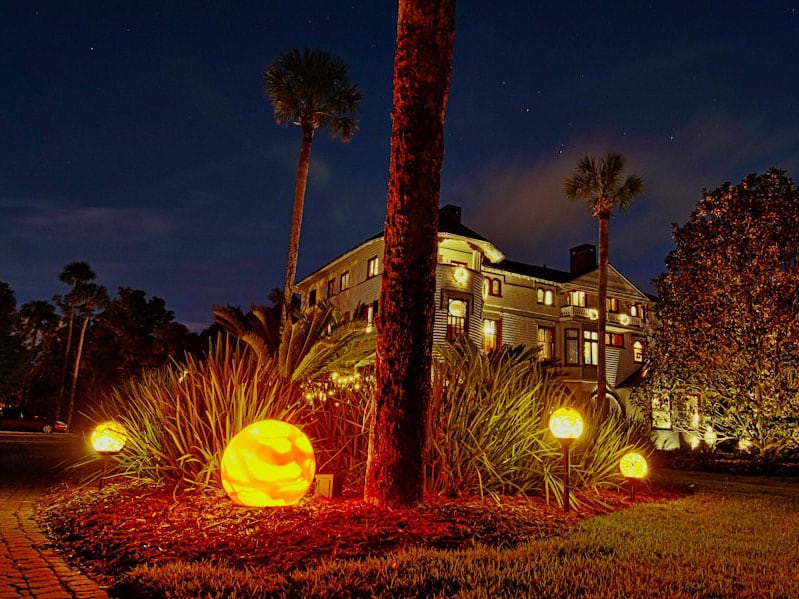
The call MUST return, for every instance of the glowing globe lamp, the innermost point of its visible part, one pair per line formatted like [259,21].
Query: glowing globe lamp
[109,437]
[566,423]
[633,465]
[269,463]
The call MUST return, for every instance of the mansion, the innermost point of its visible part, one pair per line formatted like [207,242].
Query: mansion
[497,301]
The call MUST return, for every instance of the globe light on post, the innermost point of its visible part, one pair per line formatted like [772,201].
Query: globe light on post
[710,437]
[108,438]
[566,424]
[633,467]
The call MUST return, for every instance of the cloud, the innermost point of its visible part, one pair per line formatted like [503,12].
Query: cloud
[40,219]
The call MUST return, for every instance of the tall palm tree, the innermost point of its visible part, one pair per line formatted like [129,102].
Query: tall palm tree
[422,71]
[75,274]
[91,297]
[310,89]
[599,183]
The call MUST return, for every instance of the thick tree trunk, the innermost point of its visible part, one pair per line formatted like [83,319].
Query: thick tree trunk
[422,69]
[601,371]
[76,370]
[296,222]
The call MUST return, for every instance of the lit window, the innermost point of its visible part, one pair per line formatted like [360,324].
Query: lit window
[546,343]
[490,335]
[590,348]
[612,304]
[312,298]
[456,318]
[577,298]
[540,296]
[638,352]
[572,346]
[495,287]
[549,297]
[661,412]
[331,288]
[633,310]
[614,339]
[372,267]
[370,316]
[344,280]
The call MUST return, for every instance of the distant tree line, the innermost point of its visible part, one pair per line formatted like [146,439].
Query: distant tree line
[59,356]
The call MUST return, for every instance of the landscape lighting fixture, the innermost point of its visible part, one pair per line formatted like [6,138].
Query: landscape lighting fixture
[108,438]
[566,424]
[633,467]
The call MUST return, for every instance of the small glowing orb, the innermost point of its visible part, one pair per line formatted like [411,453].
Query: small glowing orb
[593,314]
[566,423]
[624,319]
[744,444]
[633,465]
[268,463]
[461,275]
[109,437]
[694,441]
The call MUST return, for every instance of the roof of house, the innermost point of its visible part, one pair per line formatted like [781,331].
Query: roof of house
[537,272]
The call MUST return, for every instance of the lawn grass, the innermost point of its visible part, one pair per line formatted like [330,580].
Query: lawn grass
[729,537]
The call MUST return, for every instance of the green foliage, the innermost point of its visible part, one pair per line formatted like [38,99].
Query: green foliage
[180,418]
[488,429]
[730,316]
[599,183]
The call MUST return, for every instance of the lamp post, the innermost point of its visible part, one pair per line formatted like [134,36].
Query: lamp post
[108,439]
[633,467]
[566,424]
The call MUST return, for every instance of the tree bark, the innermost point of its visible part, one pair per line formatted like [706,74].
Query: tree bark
[60,401]
[422,70]
[76,370]
[601,370]
[296,222]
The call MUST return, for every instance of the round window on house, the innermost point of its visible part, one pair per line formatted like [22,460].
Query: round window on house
[457,308]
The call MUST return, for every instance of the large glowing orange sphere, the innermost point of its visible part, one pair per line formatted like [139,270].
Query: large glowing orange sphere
[109,437]
[633,465]
[566,423]
[268,463]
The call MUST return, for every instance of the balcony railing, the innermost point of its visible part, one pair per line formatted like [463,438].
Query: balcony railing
[593,314]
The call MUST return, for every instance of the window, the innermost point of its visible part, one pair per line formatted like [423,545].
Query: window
[633,310]
[545,296]
[372,267]
[494,287]
[491,330]
[577,298]
[312,298]
[331,288]
[546,343]
[344,280]
[661,412]
[612,304]
[590,348]
[370,316]
[638,351]
[614,339]
[456,318]
[572,346]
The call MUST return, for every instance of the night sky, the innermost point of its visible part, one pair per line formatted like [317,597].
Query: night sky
[136,135]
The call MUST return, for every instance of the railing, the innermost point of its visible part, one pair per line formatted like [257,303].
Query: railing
[593,314]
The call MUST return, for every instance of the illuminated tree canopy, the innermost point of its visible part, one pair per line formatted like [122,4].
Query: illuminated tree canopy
[729,314]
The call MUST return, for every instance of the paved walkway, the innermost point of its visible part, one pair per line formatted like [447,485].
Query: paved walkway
[28,565]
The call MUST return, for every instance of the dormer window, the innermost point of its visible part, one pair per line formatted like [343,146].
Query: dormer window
[344,280]
[494,287]
[372,267]
[545,296]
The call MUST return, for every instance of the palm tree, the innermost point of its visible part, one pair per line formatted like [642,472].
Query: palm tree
[599,183]
[309,89]
[90,298]
[422,70]
[75,274]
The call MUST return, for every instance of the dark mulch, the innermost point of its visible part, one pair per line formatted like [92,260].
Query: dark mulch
[110,531]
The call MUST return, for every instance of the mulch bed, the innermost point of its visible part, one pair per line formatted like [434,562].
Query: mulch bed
[110,531]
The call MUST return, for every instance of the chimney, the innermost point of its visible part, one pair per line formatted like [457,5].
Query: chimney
[449,216]
[582,258]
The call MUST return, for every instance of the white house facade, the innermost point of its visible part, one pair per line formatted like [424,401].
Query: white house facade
[496,301]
